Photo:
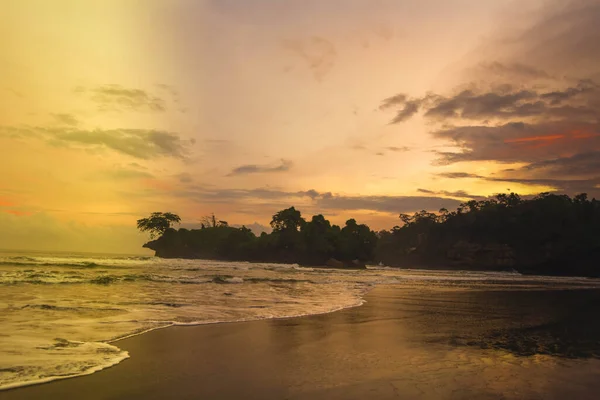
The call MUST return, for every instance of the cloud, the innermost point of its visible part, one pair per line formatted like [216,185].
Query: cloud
[533,100]
[125,173]
[66,119]
[256,169]
[138,143]
[380,151]
[184,177]
[322,201]
[514,69]
[503,102]
[457,175]
[458,193]
[569,186]
[518,141]
[580,164]
[318,53]
[406,108]
[388,204]
[397,149]
[113,97]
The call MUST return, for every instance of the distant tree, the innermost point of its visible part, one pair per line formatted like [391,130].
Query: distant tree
[289,219]
[356,242]
[157,223]
[319,239]
[287,238]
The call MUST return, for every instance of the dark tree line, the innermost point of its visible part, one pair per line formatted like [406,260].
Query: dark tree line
[546,234]
[293,240]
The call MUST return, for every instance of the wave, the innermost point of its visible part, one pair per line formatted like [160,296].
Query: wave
[85,358]
[86,265]
[61,278]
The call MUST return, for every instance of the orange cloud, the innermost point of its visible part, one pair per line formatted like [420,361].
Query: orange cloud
[547,138]
[535,142]
[18,213]
[6,203]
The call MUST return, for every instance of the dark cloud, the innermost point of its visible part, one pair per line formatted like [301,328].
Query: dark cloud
[119,98]
[570,186]
[461,194]
[125,174]
[406,107]
[313,194]
[470,105]
[388,204]
[559,96]
[284,166]
[519,142]
[393,101]
[425,191]
[458,175]
[322,201]
[138,143]
[66,119]
[397,149]
[503,102]
[580,164]
[184,177]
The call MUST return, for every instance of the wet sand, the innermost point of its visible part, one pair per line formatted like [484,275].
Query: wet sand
[410,343]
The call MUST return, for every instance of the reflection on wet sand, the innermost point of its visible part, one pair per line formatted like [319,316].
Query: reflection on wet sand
[450,343]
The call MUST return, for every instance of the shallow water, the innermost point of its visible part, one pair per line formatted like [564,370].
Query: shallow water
[61,315]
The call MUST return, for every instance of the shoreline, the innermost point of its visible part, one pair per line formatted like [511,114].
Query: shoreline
[171,324]
[391,341]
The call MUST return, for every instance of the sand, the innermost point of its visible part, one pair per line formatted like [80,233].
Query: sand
[425,343]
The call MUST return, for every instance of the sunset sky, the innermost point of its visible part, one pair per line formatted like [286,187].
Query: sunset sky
[112,109]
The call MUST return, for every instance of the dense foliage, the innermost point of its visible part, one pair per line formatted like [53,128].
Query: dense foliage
[549,233]
[546,234]
[293,240]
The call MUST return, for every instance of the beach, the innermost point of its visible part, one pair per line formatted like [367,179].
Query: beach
[422,343]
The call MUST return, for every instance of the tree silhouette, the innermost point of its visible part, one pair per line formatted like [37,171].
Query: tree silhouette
[157,223]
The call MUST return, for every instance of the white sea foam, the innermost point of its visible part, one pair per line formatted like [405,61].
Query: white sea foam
[62,316]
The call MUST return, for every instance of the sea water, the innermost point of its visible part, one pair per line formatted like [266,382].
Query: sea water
[62,314]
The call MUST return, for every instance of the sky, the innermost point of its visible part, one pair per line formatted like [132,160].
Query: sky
[365,109]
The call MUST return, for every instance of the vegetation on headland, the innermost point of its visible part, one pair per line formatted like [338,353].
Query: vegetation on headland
[546,234]
[293,240]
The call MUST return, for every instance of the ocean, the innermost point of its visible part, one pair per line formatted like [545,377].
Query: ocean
[62,315]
